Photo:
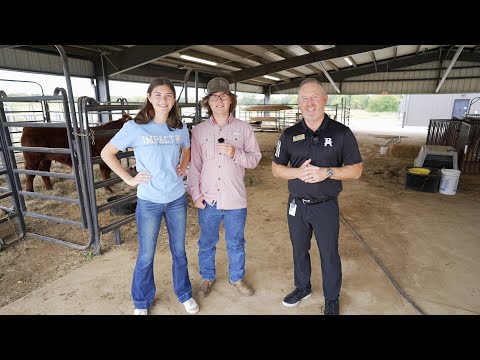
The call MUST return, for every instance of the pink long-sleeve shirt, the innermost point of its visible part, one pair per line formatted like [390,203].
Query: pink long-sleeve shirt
[215,175]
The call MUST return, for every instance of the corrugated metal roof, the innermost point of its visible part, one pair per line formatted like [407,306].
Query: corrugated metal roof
[410,68]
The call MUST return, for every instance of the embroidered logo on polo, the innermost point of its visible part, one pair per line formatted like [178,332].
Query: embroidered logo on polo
[328,141]
[277,150]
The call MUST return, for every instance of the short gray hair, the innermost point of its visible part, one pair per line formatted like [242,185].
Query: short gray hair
[311,80]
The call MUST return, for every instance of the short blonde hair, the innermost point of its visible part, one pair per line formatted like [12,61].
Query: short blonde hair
[312,80]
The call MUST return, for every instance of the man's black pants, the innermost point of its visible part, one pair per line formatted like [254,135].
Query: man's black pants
[323,219]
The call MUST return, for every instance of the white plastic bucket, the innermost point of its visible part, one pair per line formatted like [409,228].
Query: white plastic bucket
[449,181]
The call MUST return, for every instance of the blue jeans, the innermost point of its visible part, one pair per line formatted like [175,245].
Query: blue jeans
[149,217]
[209,220]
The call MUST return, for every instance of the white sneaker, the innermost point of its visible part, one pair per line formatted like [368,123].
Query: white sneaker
[140,312]
[191,306]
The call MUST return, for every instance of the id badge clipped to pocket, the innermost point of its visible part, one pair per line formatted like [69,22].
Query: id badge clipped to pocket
[293,208]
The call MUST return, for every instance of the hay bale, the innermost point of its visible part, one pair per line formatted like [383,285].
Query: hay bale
[405,151]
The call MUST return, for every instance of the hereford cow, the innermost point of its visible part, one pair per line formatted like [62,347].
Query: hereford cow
[57,138]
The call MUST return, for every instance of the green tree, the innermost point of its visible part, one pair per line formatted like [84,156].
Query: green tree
[354,101]
[334,99]
[360,102]
[383,103]
[133,99]
[138,99]
[287,99]
[248,99]
[21,94]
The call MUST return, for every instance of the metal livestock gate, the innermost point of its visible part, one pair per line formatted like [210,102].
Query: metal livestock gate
[79,150]
[463,135]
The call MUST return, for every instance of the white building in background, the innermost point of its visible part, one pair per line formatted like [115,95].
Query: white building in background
[418,109]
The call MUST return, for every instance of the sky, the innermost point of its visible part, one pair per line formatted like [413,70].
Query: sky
[80,86]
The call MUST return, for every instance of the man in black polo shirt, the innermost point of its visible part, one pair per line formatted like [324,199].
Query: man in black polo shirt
[321,153]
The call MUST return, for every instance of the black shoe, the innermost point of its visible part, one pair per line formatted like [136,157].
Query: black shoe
[332,307]
[295,296]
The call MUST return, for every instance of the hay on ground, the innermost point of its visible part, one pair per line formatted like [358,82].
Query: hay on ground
[251,180]
[405,151]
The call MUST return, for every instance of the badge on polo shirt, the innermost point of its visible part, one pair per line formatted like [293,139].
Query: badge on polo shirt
[293,208]
[299,137]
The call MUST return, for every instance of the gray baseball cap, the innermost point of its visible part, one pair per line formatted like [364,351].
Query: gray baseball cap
[218,84]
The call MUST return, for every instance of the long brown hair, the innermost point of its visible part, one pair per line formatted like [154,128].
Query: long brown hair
[206,105]
[147,112]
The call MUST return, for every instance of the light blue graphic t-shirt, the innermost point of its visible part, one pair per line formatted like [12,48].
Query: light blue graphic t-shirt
[157,150]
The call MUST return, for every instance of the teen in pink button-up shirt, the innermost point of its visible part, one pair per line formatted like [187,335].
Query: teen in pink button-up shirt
[216,175]
[221,149]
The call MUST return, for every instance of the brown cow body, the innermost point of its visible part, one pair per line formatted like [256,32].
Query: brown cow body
[57,138]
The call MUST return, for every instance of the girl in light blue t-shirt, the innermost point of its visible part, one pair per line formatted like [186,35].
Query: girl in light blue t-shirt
[159,140]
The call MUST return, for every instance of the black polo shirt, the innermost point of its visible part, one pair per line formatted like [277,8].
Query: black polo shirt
[332,145]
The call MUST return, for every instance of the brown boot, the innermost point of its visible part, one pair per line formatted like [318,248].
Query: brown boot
[243,287]
[205,288]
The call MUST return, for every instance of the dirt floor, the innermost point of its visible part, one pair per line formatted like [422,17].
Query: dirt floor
[381,227]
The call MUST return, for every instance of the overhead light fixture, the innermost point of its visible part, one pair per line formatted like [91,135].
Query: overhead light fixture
[271,77]
[349,62]
[203,61]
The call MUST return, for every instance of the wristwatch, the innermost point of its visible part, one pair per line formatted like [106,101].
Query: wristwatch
[329,172]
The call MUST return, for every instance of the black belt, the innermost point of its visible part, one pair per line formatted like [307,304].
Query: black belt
[311,202]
